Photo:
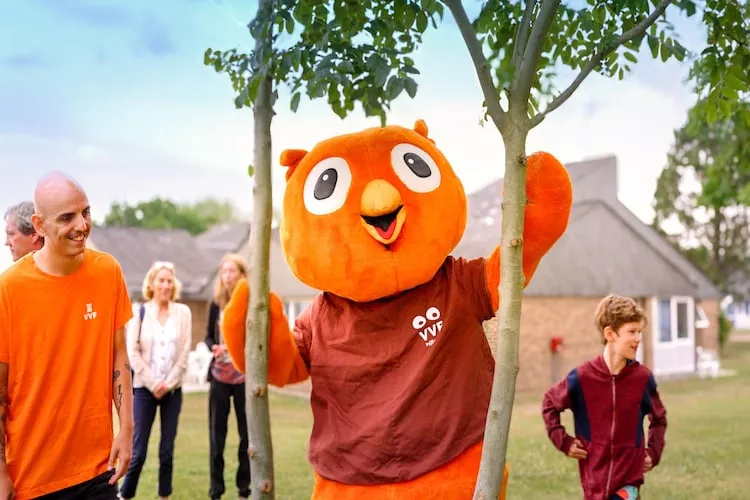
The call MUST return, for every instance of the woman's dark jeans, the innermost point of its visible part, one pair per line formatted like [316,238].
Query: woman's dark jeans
[144,413]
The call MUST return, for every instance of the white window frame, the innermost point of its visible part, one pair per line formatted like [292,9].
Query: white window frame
[673,301]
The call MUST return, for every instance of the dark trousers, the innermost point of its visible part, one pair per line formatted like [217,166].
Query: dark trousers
[144,413]
[97,488]
[219,403]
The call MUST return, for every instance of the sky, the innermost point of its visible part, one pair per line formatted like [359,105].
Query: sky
[116,94]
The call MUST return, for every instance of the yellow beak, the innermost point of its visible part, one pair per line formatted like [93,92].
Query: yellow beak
[383,214]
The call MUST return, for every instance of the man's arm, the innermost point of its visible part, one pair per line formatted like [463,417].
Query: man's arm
[122,389]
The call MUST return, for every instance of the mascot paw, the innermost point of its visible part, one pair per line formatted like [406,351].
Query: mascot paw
[235,318]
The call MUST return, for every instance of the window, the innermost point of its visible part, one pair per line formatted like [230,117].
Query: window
[675,321]
[665,320]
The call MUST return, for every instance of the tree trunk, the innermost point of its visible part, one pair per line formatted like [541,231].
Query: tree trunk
[260,449]
[497,428]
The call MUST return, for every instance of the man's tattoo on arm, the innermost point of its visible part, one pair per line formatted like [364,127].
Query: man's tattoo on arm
[116,375]
[118,397]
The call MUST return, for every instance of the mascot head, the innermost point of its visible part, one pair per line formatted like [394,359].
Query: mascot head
[370,214]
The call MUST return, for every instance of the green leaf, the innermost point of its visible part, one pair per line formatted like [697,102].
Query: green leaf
[295,101]
[630,57]
[421,21]
[395,87]
[250,170]
[411,87]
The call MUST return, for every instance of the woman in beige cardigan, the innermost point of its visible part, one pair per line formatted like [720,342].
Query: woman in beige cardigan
[159,339]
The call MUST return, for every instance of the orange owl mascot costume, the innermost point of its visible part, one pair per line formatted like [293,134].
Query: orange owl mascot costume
[400,367]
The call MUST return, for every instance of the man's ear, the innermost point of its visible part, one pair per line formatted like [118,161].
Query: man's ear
[290,158]
[36,221]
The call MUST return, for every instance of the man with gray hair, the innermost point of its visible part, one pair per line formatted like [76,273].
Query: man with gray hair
[20,235]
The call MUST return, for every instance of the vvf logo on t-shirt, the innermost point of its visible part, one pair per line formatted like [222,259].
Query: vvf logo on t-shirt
[90,313]
[428,325]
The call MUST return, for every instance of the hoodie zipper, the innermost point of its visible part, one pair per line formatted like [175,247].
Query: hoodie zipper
[611,440]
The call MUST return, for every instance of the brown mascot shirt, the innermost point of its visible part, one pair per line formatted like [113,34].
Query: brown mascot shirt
[400,385]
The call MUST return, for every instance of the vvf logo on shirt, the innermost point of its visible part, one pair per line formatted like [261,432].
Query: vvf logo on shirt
[90,313]
[428,325]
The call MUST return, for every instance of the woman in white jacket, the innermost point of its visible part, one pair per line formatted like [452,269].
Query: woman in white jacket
[158,339]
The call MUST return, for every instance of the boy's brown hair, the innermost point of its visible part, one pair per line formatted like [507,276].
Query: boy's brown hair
[614,311]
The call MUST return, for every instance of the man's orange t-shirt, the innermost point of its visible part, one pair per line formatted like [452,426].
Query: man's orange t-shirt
[57,337]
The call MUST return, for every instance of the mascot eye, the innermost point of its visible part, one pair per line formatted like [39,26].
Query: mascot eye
[432,313]
[418,322]
[327,185]
[416,169]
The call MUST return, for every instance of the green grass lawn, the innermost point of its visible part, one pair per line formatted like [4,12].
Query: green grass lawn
[705,456]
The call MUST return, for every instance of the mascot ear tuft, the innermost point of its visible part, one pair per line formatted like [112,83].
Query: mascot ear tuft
[291,158]
[420,127]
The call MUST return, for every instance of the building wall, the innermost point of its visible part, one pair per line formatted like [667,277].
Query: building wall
[708,337]
[199,310]
[543,318]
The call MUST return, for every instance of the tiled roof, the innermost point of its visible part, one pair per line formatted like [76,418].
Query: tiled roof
[606,248]
[137,249]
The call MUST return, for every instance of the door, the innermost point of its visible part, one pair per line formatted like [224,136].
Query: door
[673,335]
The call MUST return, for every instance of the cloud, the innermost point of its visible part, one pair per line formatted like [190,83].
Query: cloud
[114,172]
[153,38]
[93,13]
[150,37]
[23,61]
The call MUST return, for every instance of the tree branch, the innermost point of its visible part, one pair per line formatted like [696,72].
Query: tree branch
[522,35]
[524,76]
[491,96]
[633,33]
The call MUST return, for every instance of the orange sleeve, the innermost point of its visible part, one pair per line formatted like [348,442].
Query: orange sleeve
[123,306]
[285,365]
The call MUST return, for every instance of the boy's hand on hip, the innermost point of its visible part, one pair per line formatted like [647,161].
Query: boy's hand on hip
[577,450]
[648,464]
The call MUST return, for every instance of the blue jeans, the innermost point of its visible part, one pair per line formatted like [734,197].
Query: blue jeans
[144,413]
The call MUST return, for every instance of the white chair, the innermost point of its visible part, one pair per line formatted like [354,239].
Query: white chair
[707,363]
[198,362]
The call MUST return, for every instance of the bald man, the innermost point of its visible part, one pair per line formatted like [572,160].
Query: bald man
[20,235]
[63,359]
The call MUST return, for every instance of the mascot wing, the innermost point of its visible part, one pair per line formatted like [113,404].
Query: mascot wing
[285,365]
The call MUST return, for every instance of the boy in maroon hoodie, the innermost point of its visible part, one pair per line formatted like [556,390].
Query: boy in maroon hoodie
[610,396]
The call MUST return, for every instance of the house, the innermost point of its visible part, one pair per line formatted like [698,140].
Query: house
[606,249]
[136,249]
